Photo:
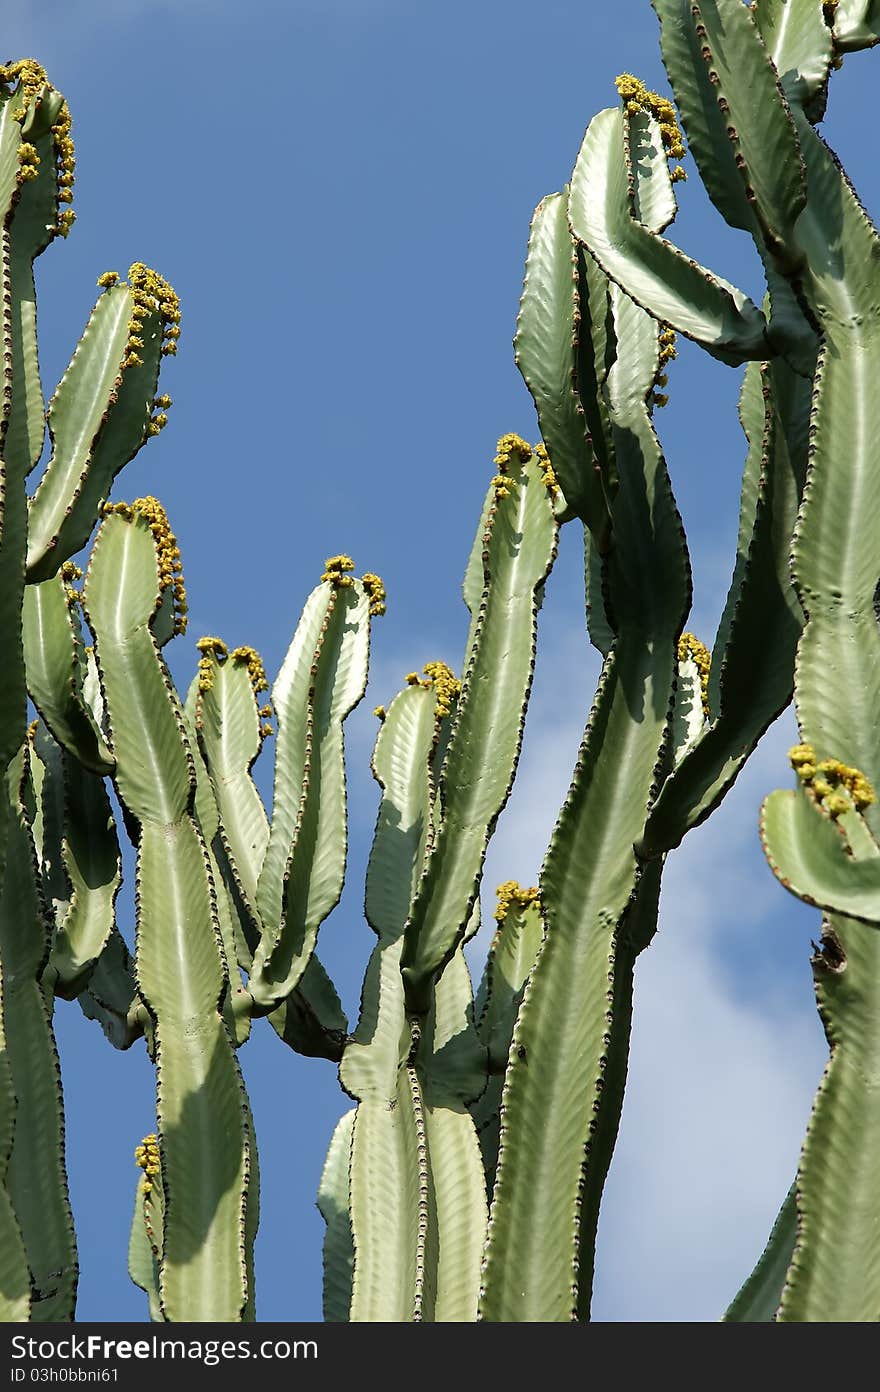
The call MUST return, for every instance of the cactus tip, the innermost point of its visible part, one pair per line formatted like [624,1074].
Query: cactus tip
[689,646]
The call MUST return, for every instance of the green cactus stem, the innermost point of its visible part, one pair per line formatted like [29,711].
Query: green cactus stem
[180,965]
[35,1176]
[564,1083]
[417,1195]
[518,549]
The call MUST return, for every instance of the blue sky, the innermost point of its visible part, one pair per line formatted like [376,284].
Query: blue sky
[340,192]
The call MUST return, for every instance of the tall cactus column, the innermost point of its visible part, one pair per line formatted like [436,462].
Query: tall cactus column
[751,82]
[181,970]
[564,1082]
[36,178]
[835,1269]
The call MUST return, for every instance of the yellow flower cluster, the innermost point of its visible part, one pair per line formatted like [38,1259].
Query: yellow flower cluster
[65,166]
[375,591]
[214,653]
[335,568]
[251,660]
[636,98]
[211,649]
[28,162]
[668,351]
[151,294]
[147,1157]
[31,78]
[380,712]
[70,573]
[509,448]
[550,481]
[689,646]
[168,552]
[512,895]
[826,780]
[446,685]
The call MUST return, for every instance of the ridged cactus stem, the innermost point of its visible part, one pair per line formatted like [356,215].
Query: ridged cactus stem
[517,549]
[750,82]
[181,970]
[35,1175]
[416,1198]
[564,1084]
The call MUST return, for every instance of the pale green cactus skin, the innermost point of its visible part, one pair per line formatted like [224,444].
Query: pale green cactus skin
[466,1181]
[41,954]
[750,83]
[415,1192]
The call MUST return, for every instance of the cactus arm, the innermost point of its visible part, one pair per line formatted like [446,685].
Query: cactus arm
[799,43]
[334,1204]
[229,733]
[545,347]
[111,996]
[35,136]
[13,515]
[750,678]
[480,762]
[35,1177]
[856,25]
[418,1208]
[33,229]
[99,417]
[548,1098]
[310,743]
[15,1277]
[180,964]
[511,958]
[832,864]
[600,630]
[384,1157]
[835,1273]
[237,1002]
[654,273]
[52,653]
[740,133]
[385,1195]
[688,718]
[564,1084]
[758,1298]
[311,1021]
[451,1067]
[43,162]
[90,853]
[143,1255]
[290,699]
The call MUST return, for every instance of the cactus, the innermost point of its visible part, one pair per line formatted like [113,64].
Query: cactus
[59,909]
[445,758]
[465,1182]
[750,83]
